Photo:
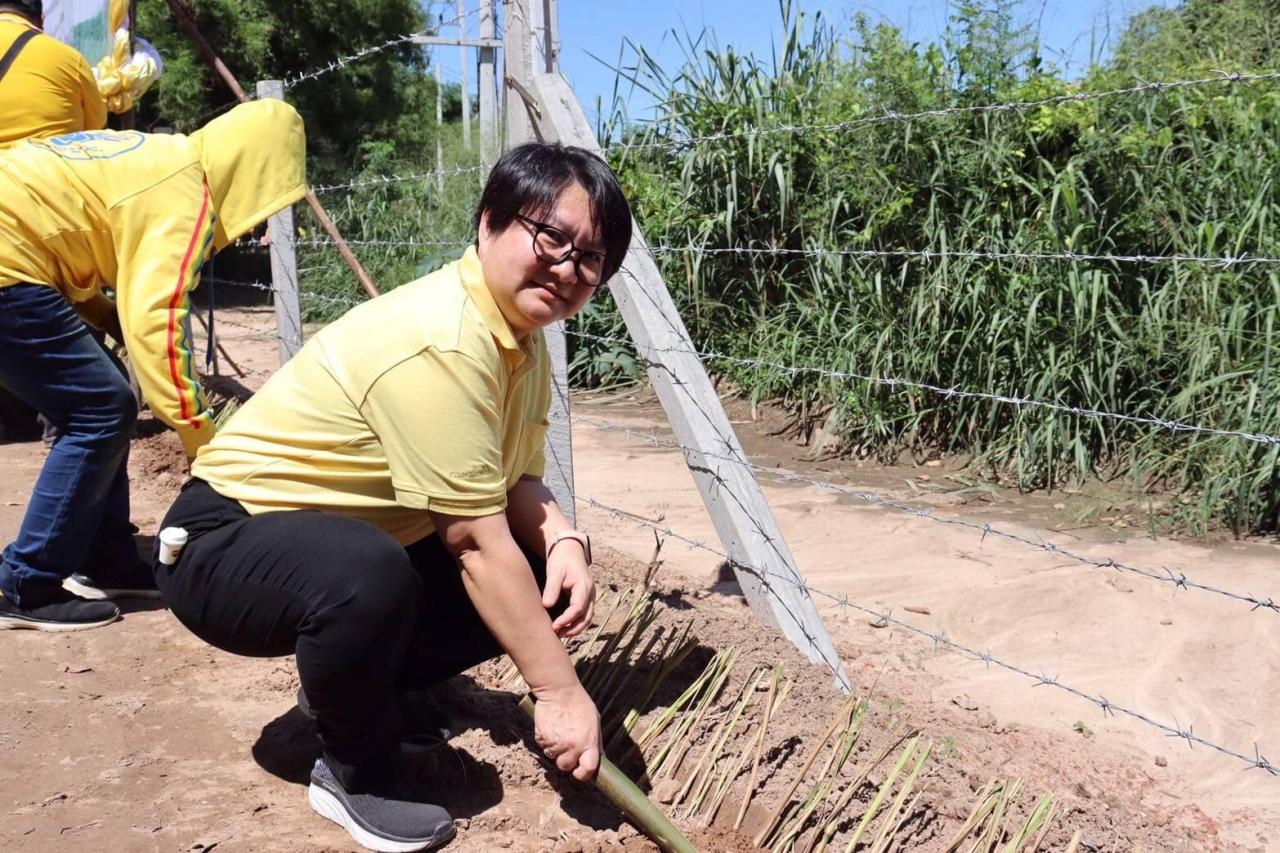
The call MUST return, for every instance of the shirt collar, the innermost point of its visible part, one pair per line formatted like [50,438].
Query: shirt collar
[15,18]
[472,275]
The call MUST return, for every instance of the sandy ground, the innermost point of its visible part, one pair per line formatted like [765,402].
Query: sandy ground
[139,737]
[1185,658]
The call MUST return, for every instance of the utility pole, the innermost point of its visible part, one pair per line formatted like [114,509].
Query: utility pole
[440,128]
[462,71]
[544,40]
[517,69]
[488,89]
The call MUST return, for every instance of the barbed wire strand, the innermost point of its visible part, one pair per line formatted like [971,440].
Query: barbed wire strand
[417,244]
[344,61]
[304,294]
[1257,761]
[950,393]
[889,116]
[1226,262]
[1223,261]
[1177,579]
[387,180]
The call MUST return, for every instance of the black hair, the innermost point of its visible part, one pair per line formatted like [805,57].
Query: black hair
[529,179]
[32,10]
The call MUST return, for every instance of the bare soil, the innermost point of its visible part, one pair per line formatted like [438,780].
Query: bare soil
[140,737]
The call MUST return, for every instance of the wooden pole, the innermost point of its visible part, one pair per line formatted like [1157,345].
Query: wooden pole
[488,91]
[187,23]
[462,71]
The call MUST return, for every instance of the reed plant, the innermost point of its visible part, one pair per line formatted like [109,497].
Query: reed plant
[1186,172]
[403,219]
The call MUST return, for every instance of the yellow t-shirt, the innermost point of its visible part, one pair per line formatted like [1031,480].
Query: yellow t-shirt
[421,399]
[48,91]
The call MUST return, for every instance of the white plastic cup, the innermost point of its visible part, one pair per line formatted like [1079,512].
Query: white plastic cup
[172,541]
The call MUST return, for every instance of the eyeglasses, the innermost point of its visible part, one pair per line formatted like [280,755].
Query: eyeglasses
[553,246]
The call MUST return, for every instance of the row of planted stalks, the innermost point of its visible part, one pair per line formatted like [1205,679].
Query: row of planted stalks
[714,739]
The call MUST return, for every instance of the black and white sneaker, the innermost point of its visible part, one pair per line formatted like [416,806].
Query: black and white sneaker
[427,726]
[60,611]
[384,823]
[132,581]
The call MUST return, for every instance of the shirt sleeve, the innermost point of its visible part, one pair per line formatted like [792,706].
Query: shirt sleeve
[537,466]
[91,101]
[438,417]
[162,239]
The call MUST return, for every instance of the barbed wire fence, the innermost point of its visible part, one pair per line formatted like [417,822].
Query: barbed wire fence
[940,639]
[654,358]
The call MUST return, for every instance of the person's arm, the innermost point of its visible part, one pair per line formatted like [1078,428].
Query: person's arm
[162,239]
[99,311]
[501,585]
[535,519]
[92,104]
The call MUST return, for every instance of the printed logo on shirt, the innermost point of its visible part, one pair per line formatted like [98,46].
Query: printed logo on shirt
[479,471]
[93,144]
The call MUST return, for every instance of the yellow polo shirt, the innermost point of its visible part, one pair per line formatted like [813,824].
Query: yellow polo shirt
[50,89]
[421,399]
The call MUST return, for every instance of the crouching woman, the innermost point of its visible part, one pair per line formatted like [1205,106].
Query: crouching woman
[377,508]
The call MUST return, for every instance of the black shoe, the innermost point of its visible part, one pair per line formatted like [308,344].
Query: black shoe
[385,823]
[427,726]
[60,611]
[132,581]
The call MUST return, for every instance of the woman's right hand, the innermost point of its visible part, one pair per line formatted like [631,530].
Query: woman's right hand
[566,725]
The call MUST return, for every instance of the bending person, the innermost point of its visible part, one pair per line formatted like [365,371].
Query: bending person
[140,213]
[46,89]
[378,509]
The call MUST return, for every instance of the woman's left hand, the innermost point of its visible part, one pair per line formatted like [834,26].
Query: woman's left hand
[567,572]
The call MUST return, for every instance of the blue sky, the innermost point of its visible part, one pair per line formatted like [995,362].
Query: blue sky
[1069,30]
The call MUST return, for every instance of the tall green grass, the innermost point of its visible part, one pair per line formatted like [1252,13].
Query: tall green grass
[1192,172]
[394,215]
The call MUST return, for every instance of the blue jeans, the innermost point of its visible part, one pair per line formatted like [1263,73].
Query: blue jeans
[78,517]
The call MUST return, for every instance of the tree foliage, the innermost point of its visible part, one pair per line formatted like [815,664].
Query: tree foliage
[382,100]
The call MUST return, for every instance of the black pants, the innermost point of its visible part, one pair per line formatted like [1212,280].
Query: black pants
[365,616]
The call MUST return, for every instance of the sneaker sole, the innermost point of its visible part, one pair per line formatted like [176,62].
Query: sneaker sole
[17,624]
[95,593]
[327,806]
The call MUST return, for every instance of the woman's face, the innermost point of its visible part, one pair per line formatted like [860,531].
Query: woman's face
[530,292]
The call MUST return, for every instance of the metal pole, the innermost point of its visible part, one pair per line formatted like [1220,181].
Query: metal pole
[284,261]
[488,91]
[462,71]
